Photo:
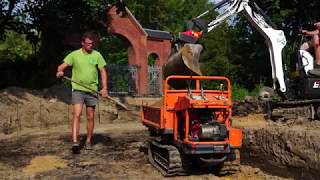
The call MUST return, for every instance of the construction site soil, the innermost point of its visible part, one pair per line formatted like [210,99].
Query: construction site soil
[35,142]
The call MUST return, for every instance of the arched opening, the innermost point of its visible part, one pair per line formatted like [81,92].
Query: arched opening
[153,60]
[115,49]
[121,76]
[154,75]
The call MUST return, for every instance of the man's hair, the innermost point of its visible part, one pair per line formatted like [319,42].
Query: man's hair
[89,35]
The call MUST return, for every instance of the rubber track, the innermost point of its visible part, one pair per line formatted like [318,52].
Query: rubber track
[173,164]
[230,167]
[292,113]
[168,166]
[294,109]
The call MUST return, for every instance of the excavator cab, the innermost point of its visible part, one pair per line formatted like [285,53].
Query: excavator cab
[307,79]
[303,76]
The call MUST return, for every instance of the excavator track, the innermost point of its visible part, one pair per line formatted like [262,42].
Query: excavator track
[282,111]
[166,158]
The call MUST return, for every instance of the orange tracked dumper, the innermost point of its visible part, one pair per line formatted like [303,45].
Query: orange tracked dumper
[192,126]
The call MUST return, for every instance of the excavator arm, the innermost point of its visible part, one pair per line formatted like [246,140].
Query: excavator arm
[275,38]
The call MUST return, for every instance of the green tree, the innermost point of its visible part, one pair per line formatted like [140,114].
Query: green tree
[167,15]
[15,47]
[234,49]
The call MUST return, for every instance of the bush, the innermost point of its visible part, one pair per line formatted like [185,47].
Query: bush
[15,47]
[238,92]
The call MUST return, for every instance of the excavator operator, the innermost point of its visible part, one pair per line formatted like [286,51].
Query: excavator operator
[314,42]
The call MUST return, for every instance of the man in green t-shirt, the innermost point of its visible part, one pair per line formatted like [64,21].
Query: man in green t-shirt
[85,63]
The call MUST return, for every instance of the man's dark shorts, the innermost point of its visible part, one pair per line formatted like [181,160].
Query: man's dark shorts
[81,97]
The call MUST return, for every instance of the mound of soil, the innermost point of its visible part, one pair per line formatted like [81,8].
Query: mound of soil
[22,109]
[286,149]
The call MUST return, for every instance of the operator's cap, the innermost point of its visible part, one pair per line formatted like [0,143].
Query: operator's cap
[317,24]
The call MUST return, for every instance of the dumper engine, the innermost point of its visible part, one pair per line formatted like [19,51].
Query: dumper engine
[204,127]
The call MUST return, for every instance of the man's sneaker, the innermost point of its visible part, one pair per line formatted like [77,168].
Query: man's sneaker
[88,146]
[75,148]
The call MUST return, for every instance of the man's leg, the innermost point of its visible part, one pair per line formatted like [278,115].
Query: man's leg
[90,123]
[91,100]
[77,110]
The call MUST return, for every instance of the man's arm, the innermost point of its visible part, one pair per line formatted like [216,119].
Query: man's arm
[103,74]
[60,69]
[310,33]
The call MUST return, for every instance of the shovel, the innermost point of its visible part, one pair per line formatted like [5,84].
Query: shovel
[89,88]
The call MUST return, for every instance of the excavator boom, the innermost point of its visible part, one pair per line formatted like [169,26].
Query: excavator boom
[275,39]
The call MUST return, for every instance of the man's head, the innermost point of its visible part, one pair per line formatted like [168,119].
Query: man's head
[87,41]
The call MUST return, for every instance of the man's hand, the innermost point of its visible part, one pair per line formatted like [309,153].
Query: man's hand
[60,70]
[60,74]
[103,92]
[304,31]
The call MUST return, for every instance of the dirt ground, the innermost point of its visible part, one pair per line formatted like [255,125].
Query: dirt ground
[35,143]
[289,149]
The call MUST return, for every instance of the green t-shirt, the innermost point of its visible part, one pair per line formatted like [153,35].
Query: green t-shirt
[85,68]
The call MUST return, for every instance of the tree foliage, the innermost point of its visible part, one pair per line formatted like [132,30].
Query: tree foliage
[167,15]
[15,47]
[234,49]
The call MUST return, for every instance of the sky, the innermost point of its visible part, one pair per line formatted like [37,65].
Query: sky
[215,1]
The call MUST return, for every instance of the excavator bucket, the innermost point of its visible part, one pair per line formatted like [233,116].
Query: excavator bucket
[184,62]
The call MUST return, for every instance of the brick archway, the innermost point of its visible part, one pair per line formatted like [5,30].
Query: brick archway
[142,43]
